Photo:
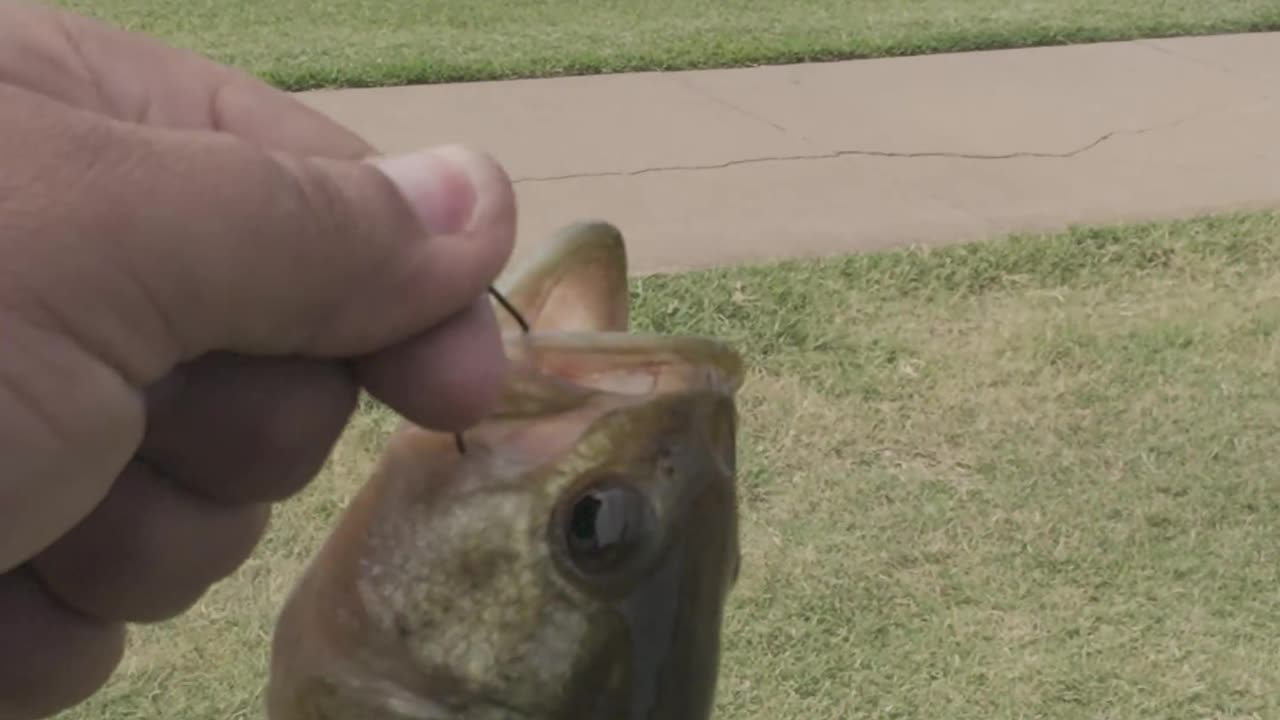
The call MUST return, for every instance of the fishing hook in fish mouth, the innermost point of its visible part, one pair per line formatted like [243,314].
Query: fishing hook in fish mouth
[524,327]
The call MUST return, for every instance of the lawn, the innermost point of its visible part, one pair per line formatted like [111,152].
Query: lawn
[1026,478]
[302,44]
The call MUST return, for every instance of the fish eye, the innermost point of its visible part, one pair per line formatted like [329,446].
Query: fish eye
[606,528]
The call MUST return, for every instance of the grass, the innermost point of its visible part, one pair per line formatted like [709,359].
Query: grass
[1030,478]
[300,44]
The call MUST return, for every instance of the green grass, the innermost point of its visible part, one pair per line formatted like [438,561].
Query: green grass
[1029,478]
[301,44]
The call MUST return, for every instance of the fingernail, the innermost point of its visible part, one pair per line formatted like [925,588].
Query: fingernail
[441,185]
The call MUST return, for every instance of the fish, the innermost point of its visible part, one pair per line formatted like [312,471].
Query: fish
[569,557]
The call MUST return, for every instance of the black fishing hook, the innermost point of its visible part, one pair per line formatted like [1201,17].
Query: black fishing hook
[506,305]
[524,327]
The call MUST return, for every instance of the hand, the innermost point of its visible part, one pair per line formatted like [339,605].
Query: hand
[197,274]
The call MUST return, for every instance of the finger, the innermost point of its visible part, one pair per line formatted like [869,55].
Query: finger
[52,657]
[127,250]
[241,250]
[238,429]
[133,77]
[68,425]
[446,379]
[149,550]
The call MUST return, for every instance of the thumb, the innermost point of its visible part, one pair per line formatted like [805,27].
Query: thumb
[151,246]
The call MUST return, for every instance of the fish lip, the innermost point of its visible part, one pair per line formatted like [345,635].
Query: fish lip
[718,367]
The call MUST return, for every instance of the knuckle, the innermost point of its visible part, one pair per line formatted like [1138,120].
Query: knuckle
[115,567]
[322,200]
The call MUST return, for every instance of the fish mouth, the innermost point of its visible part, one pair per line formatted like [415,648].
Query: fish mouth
[551,372]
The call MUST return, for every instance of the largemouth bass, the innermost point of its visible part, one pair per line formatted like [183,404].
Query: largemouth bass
[568,559]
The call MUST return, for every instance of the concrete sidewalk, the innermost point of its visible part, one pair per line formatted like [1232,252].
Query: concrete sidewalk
[726,166]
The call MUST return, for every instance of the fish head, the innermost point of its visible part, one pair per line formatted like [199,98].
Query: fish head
[569,560]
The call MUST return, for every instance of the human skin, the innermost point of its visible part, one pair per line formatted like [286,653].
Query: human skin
[197,276]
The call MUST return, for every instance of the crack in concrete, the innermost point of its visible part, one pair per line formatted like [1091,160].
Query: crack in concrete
[1248,79]
[1154,45]
[838,154]
[722,102]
